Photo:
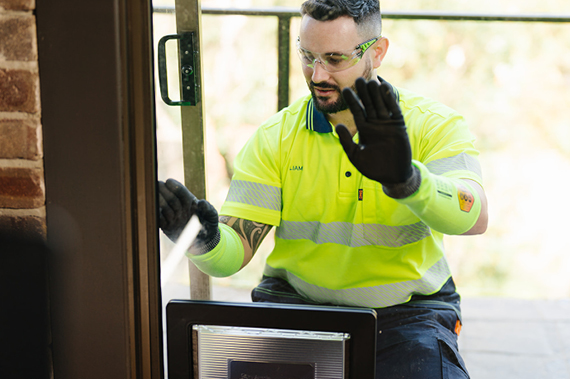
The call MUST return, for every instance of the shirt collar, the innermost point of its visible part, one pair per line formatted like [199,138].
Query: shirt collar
[317,121]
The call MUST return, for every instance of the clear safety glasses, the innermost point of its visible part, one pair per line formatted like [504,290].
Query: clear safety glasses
[336,61]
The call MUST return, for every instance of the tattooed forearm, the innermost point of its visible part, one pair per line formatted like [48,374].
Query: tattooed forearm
[252,232]
[228,220]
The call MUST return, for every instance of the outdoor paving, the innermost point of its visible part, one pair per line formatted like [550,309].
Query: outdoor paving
[510,338]
[501,338]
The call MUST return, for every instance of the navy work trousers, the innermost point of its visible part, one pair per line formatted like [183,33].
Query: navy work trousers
[416,340]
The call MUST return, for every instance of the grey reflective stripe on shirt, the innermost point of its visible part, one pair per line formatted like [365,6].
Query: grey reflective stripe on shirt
[353,235]
[380,296]
[461,161]
[260,195]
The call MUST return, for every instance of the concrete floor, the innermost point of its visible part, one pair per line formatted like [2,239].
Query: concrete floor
[510,338]
[501,338]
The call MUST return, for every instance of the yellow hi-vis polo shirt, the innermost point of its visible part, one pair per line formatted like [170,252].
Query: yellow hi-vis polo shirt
[339,238]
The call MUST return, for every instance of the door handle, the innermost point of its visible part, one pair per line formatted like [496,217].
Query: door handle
[190,91]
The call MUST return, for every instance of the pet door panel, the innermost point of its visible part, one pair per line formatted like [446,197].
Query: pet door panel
[224,352]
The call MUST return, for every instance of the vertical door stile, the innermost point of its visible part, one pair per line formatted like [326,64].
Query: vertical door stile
[188,19]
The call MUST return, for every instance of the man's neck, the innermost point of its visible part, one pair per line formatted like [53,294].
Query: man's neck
[344,117]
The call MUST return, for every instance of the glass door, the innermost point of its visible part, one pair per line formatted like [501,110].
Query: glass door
[241,50]
[217,79]
[180,126]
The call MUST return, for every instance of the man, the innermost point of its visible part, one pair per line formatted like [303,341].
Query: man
[362,185]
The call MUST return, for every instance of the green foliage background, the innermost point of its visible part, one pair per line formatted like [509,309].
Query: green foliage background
[509,79]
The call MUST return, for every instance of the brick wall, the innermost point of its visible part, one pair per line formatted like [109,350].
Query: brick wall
[22,189]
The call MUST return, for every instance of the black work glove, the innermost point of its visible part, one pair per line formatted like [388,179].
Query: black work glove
[177,204]
[383,152]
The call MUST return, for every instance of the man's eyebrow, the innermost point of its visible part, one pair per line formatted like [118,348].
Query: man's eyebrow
[335,53]
[338,52]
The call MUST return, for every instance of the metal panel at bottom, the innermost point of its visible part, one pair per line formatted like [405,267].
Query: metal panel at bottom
[226,352]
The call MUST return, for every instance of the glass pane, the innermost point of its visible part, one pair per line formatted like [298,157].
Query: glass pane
[234,107]
[509,79]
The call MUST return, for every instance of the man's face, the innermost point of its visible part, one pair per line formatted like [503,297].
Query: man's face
[339,35]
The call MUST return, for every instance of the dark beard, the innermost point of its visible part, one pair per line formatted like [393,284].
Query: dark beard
[340,104]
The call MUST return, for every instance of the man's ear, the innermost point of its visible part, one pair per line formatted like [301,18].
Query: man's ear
[379,51]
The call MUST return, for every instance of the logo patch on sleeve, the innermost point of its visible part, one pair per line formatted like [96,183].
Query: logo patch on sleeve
[466,199]
[360,194]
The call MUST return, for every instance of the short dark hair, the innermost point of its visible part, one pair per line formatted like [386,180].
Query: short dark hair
[365,13]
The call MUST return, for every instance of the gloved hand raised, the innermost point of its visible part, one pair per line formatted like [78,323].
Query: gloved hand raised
[383,152]
[177,204]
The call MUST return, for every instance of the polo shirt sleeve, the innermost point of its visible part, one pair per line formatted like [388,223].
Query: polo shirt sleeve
[441,140]
[255,189]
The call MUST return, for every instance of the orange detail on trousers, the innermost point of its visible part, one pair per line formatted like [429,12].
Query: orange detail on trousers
[458,327]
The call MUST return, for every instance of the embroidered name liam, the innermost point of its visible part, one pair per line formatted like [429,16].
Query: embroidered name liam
[296,168]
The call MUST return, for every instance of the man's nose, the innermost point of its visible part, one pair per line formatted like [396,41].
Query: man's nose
[319,72]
